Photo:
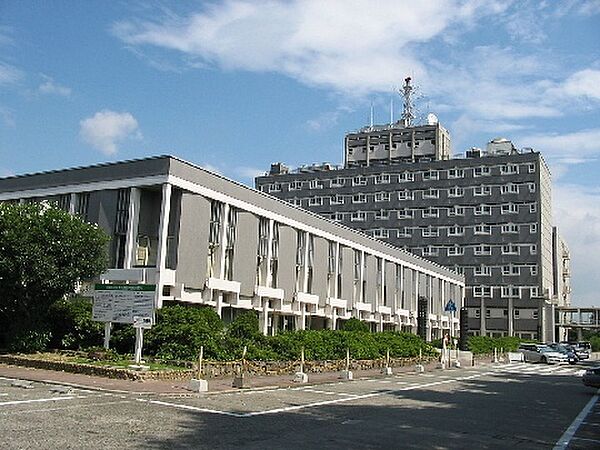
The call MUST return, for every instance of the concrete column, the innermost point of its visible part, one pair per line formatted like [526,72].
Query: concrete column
[264,317]
[511,317]
[482,329]
[305,267]
[333,318]
[544,337]
[219,304]
[133,219]
[302,316]
[380,323]
[163,232]
[361,295]
[269,278]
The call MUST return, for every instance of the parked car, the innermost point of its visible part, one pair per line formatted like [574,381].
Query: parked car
[567,350]
[582,349]
[591,377]
[541,353]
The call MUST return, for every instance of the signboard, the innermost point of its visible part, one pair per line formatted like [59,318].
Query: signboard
[450,306]
[121,303]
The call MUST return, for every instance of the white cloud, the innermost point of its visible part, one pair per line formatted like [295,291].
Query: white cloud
[51,87]
[585,83]
[567,148]
[350,46]
[105,129]
[577,214]
[249,172]
[9,74]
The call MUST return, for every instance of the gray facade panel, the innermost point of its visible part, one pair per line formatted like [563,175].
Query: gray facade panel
[320,267]
[286,273]
[244,260]
[193,240]
[347,274]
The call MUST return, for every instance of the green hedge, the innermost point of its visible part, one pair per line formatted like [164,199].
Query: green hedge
[181,330]
[485,344]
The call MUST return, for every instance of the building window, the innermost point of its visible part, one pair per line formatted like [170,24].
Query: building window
[315,201]
[482,250]
[405,214]
[533,228]
[482,210]
[511,271]
[533,208]
[274,261]
[230,242]
[383,178]
[531,187]
[357,266]
[510,249]
[380,233]
[534,314]
[482,171]
[509,208]
[430,232]
[531,168]
[337,200]
[383,214]
[456,211]
[82,205]
[310,263]
[480,191]
[359,181]
[516,313]
[533,249]
[509,189]
[510,291]
[275,187]
[214,236]
[405,232]
[534,270]
[358,216]
[315,184]
[300,260]
[456,230]
[263,250]
[455,251]
[338,182]
[430,251]
[482,291]
[405,177]
[405,195]
[482,271]
[509,169]
[456,192]
[331,269]
[295,185]
[382,196]
[510,228]
[430,175]
[483,229]
[430,212]
[534,292]
[359,198]
[431,193]
[456,173]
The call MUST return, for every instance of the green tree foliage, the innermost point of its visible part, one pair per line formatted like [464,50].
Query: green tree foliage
[44,251]
[486,344]
[71,326]
[354,324]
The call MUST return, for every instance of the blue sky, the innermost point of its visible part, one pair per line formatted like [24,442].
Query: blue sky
[237,85]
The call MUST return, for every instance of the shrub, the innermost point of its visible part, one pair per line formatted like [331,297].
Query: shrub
[71,325]
[486,344]
[30,341]
[354,324]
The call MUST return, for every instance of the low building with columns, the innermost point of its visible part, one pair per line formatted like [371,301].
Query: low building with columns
[207,240]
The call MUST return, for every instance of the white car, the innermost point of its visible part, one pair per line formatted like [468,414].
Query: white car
[542,353]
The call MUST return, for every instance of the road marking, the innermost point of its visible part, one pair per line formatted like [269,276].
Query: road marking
[63,408]
[565,439]
[190,408]
[36,400]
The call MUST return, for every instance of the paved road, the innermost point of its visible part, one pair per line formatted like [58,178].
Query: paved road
[494,406]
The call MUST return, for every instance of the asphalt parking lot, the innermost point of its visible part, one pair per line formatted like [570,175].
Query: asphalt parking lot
[492,406]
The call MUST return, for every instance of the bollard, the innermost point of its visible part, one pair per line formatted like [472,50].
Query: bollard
[238,381]
[198,384]
[419,367]
[347,374]
[387,370]
[301,377]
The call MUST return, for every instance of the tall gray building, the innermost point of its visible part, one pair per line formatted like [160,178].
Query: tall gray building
[487,215]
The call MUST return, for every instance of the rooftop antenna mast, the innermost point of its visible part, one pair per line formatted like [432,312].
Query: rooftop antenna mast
[371,115]
[407,93]
[391,110]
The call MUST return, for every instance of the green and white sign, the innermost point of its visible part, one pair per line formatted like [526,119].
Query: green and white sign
[121,303]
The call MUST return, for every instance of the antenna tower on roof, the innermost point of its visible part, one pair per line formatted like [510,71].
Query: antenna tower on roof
[407,112]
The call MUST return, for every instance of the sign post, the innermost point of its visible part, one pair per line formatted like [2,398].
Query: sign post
[125,303]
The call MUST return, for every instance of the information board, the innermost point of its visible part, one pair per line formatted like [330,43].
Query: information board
[120,303]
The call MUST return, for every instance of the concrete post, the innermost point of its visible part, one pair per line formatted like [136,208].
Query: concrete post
[163,233]
[133,219]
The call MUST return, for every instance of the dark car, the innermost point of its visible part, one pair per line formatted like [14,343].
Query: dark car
[591,377]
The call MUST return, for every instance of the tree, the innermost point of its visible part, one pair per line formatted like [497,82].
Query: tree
[44,252]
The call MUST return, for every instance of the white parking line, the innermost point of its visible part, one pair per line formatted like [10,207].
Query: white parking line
[565,439]
[37,400]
